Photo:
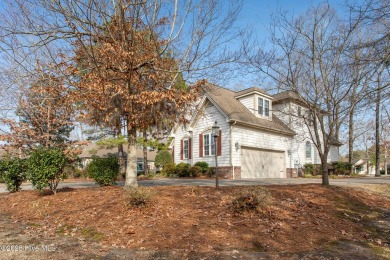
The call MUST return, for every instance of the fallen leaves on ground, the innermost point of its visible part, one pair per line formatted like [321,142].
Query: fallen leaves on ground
[298,218]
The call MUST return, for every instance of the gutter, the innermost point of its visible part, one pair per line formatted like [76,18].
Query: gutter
[266,129]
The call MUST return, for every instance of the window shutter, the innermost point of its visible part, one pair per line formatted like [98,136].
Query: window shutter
[190,148]
[200,145]
[181,149]
[219,144]
[173,154]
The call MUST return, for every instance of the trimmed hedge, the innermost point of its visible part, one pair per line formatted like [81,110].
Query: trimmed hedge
[183,169]
[46,168]
[103,170]
[195,171]
[203,165]
[13,171]
[312,169]
[343,168]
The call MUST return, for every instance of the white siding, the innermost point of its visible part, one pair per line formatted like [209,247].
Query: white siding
[333,155]
[288,113]
[255,138]
[248,102]
[282,111]
[204,123]
[294,148]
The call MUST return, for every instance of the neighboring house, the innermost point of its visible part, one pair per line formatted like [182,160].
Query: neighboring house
[95,150]
[259,136]
[360,167]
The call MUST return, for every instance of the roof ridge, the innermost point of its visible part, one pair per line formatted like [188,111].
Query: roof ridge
[218,86]
[233,109]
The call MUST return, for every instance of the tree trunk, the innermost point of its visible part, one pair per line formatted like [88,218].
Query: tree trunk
[324,170]
[145,150]
[121,160]
[131,168]
[350,137]
[121,154]
[377,144]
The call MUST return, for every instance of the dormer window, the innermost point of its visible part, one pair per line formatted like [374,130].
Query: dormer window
[260,108]
[263,107]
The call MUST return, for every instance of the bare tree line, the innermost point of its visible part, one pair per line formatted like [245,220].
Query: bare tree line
[338,66]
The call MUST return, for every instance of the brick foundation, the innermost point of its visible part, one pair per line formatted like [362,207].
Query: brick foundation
[293,173]
[227,172]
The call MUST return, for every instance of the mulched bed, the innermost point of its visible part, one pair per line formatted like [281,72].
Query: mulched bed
[296,218]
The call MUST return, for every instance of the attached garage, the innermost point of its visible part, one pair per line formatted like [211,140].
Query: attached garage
[258,163]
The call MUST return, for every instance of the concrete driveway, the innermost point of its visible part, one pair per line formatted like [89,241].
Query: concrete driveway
[224,182]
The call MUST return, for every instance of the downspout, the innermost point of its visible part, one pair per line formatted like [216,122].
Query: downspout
[231,149]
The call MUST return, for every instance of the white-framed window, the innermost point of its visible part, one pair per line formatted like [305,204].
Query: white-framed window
[308,150]
[208,144]
[260,105]
[263,106]
[266,107]
[186,149]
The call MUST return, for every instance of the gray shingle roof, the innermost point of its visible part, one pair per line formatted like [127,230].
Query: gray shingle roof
[226,100]
[286,95]
[249,90]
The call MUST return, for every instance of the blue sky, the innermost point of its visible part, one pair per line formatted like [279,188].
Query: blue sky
[257,13]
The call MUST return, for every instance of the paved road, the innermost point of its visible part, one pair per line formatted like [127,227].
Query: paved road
[224,182]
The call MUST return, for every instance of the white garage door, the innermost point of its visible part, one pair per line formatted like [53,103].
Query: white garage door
[256,163]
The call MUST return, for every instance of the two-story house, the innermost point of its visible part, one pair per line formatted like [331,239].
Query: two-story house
[261,136]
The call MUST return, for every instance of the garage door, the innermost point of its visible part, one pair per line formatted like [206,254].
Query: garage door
[256,163]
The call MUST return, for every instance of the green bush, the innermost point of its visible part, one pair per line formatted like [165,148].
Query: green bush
[251,199]
[343,168]
[13,172]
[139,197]
[103,170]
[210,171]
[169,170]
[163,158]
[308,169]
[72,171]
[195,171]
[183,169]
[203,165]
[46,168]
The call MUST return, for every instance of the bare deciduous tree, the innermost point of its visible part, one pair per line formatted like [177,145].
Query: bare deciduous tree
[309,57]
[123,42]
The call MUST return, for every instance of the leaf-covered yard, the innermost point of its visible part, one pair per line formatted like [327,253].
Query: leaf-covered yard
[301,221]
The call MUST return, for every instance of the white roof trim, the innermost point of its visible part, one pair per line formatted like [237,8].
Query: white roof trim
[254,92]
[193,120]
[219,109]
